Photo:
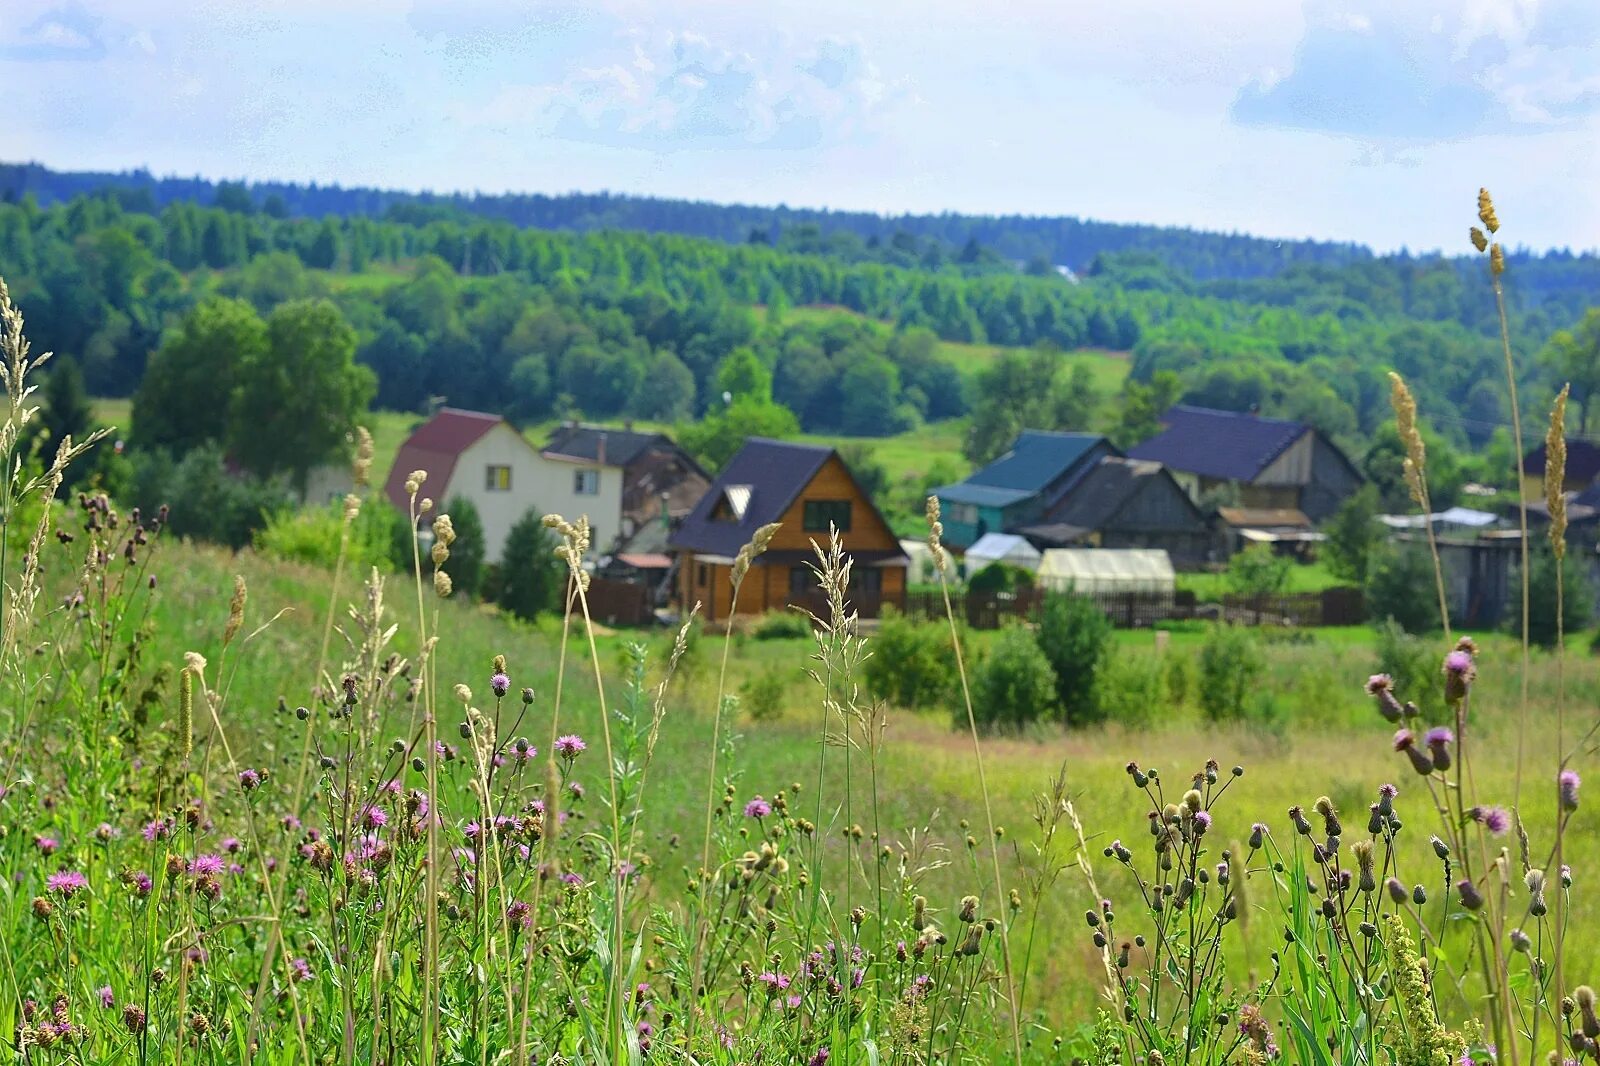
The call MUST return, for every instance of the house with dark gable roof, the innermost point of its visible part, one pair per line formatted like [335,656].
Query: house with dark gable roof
[1582,470]
[1281,473]
[1019,487]
[809,490]
[1128,503]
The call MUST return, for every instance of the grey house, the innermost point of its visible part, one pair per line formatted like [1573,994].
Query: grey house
[1128,503]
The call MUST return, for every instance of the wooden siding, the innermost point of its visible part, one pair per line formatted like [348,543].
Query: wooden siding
[1333,480]
[1293,467]
[868,531]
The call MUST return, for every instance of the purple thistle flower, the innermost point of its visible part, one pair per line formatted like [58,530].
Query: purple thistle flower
[1378,683]
[232,845]
[820,1058]
[1495,819]
[47,845]
[500,684]
[142,883]
[757,808]
[374,817]
[207,866]
[1438,735]
[66,883]
[1202,822]
[249,780]
[570,746]
[1457,662]
[107,998]
[302,970]
[1568,782]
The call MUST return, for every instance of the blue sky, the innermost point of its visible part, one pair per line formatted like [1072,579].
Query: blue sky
[1349,119]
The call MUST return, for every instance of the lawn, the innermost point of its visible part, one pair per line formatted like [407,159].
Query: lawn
[1303,577]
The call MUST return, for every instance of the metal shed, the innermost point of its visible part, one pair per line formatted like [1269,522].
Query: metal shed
[1096,571]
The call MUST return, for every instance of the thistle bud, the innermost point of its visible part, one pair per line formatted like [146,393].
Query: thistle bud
[1469,895]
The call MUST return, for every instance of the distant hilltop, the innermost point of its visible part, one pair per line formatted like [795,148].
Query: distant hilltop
[1044,241]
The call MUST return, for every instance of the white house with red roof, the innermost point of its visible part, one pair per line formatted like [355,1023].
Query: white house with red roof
[478,456]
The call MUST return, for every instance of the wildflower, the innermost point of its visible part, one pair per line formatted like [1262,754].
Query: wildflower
[1258,834]
[159,829]
[207,866]
[1439,740]
[43,908]
[1568,781]
[47,845]
[1386,795]
[1381,687]
[1202,822]
[820,1058]
[302,970]
[104,831]
[757,808]
[1459,673]
[107,999]
[249,780]
[374,817]
[499,684]
[1470,897]
[1495,819]
[133,1019]
[570,746]
[1405,741]
[66,884]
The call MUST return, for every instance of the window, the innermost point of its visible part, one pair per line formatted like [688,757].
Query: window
[964,513]
[497,478]
[818,514]
[586,482]
[700,575]
[801,580]
[867,580]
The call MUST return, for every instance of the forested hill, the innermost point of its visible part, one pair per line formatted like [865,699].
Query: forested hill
[1025,239]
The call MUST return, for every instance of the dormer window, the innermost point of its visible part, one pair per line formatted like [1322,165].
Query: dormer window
[732,505]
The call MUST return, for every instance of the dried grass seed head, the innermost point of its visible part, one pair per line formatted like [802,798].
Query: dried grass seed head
[1555,473]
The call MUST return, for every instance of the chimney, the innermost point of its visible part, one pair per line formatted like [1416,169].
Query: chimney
[600,450]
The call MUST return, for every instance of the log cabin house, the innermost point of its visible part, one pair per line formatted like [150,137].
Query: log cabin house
[807,488]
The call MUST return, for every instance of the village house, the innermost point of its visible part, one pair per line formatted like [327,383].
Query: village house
[1273,479]
[809,490]
[1128,503]
[1582,470]
[1019,487]
[630,485]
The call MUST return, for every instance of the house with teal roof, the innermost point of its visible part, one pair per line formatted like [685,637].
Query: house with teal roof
[1019,487]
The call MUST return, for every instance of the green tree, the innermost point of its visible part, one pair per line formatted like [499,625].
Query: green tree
[531,577]
[1075,636]
[323,251]
[1258,571]
[719,435]
[296,403]
[1230,666]
[187,391]
[1352,532]
[466,563]
[742,375]
[1013,686]
[1573,355]
[66,411]
[1400,585]
[1027,391]
[1143,404]
[865,466]
[1577,599]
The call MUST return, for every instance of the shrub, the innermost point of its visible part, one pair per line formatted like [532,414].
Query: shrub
[531,577]
[1258,571]
[208,503]
[782,625]
[1014,685]
[1180,676]
[1577,600]
[1075,635]
[467,553]
[312,535]
[1413,663]
[1230,665]
[762,695]
[1129,686]
[1400,585]
[1353,533]
[913,664]
[1000,577]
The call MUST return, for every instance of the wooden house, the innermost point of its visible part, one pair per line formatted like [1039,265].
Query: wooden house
[1582,471]
[1267,465]
[1019,487]
[808,489]
[1128,503]
[633,486]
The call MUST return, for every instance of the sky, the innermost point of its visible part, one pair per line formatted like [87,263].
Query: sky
[1367,120]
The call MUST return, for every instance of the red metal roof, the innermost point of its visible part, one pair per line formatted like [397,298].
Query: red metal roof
[435,446]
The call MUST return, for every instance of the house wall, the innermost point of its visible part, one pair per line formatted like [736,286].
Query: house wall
[501,446]
[659,470]
[766,588]
[549,486]
[1293,467]
[1332,481]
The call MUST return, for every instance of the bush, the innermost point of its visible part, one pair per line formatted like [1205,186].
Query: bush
[531,577]
[1577,600]
[1075,635]
[913,664]
[1014,685]
[1180,676]
[1258,571]
[1130,687]
[466,562]
[762,695]
[782,625]
[1000,577]
[1413,663]
[1401,586]
[312,535]
[208,503]
[1230,666]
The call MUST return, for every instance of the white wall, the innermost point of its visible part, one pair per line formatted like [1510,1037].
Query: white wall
[550,484]
[501,446]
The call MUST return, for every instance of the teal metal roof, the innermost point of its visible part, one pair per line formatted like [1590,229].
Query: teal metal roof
[1036,460]
[980,495]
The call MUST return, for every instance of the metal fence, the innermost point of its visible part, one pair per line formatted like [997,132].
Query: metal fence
[1134,610]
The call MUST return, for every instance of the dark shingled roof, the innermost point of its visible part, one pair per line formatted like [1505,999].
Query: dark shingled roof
[1583,460]
[1102,492]
[775,472]
[583,443]
[435,446]
[1218,444]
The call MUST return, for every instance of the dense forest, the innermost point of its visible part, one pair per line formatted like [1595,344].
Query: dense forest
[444,303]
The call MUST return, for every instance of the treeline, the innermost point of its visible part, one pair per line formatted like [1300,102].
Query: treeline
[532,322]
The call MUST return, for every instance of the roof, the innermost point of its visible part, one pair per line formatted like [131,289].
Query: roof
[1454,516]
[584,443]
[1583,460]
[1006,547]
[645,560]
[980,495]
[1035,460]
[1218,444]
[769,475]
[1103,491]
[1265,517]
[435,446]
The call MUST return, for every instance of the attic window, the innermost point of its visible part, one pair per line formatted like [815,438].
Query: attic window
[732,506]
[497,478]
